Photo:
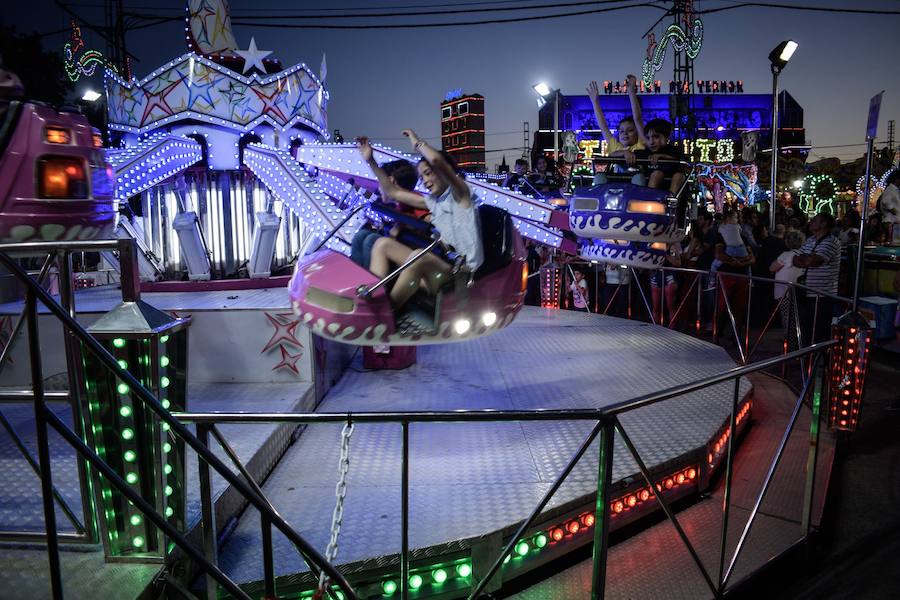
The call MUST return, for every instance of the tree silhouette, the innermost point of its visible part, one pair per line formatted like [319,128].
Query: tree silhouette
[42,71]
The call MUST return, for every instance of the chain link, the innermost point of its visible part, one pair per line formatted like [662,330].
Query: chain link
[340,492]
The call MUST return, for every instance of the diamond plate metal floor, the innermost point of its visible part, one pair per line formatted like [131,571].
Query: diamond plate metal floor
[656,564]
[471,479]
[84,572]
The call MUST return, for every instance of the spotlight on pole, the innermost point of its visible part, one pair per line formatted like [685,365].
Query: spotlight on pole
[798,183]
[779,57]
[91,96]
[542,89]
[782,53]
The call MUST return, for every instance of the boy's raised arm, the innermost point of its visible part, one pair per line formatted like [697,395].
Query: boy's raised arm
[631,83]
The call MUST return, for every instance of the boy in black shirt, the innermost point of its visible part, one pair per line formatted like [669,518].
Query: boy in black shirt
[657,133]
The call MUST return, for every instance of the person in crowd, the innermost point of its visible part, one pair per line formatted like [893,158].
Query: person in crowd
[659,149]
[614,298]
[785,272]
[452,204]
[771,246]
[735,245]
[849,227]
[517,177]
[734,288]
[875,230]
[403,174]
[820,259]
[628,141]
[664,286]
[749,223]
[890,207]
[579,289]
[542,178]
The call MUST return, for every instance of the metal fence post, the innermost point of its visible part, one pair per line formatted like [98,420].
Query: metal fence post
[404,516]
[729,472]
[207,514]
[820,392]
[40,420]
[601,512]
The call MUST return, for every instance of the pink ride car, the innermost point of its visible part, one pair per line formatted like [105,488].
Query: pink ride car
[328,293]
[54,180]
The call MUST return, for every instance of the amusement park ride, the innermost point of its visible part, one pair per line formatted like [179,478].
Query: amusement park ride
[221,168]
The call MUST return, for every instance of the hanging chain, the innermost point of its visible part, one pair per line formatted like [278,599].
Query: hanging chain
[340,492]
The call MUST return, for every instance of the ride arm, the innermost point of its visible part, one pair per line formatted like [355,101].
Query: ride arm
[631,82]
[442,168]
[388,187]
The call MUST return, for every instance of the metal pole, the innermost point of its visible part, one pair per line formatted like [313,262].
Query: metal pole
[73,370]
[268,559]
[556,129]
[404,516]
[729,474]
[40,420]
[207,514]
[772,202]
[815,422]
[601,513]
[860,248]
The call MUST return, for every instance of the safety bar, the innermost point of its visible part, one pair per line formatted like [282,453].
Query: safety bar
[366,292]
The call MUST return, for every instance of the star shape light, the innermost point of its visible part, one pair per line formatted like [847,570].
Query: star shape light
[253,57]
[288,360]
[270,104]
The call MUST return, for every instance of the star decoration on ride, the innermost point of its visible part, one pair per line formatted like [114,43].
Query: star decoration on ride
[304,97]
[198,90]
[288,360]
[253,57]
[270,104]
[285,331]
[157,99]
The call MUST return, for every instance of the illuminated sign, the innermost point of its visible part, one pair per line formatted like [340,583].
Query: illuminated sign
[701,86]
[700,150]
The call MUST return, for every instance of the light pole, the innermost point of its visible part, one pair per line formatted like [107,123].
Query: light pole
[778,57]
[543,91]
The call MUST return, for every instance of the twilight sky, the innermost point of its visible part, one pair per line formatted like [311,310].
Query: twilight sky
[382,80]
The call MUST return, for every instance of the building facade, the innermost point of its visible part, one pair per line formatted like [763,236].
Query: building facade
[462,130]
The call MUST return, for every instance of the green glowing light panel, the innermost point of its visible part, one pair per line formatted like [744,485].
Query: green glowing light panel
[129,435]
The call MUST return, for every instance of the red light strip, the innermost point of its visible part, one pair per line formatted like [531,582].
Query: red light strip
[452,133]
[721,444]
[462,117]
[645,494]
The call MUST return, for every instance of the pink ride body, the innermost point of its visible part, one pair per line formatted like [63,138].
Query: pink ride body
[26,217]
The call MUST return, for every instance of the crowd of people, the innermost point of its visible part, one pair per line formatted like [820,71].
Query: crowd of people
[728,246]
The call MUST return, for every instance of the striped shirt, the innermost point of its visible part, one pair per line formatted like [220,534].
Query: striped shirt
[824,277]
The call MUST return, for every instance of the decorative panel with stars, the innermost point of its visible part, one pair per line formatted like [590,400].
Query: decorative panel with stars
[192,87]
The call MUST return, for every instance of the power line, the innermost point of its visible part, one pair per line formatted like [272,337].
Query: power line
[455,24]
[858,11]
[439,12]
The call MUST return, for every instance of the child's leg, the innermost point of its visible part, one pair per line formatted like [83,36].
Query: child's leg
[656,179]
[429,267]
[387,251]
[677,182]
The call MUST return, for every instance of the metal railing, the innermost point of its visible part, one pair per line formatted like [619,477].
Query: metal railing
[45,417]
[606,425]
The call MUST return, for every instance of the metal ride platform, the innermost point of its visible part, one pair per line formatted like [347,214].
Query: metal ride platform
[471,483]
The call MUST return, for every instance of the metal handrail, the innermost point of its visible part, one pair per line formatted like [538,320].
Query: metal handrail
[34,293]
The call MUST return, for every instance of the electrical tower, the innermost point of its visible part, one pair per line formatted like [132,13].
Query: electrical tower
[681,108]
[890,141]
[526,140]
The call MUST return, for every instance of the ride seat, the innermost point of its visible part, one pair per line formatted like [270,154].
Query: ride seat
[497,235]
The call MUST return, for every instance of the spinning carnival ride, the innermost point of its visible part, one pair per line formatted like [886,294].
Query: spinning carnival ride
[222,158]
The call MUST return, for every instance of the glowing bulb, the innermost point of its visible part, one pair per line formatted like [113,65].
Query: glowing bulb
[461,326]
[489,318]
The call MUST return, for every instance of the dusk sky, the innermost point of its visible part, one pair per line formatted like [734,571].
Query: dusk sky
[382,80]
